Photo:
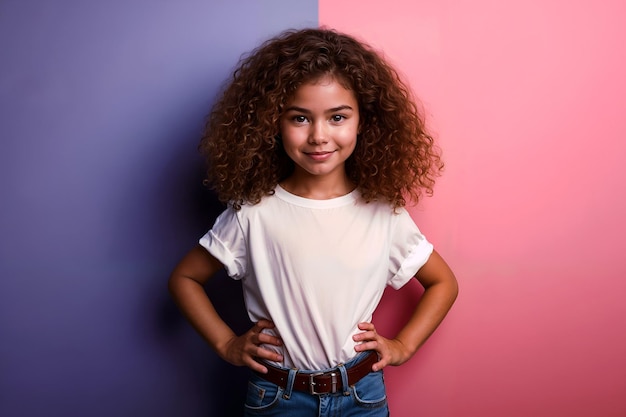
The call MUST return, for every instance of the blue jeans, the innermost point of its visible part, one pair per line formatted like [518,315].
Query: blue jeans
[367,398]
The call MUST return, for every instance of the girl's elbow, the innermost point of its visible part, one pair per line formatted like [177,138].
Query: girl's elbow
[454,289]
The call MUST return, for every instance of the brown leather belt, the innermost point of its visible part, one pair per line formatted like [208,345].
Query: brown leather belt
[321,382]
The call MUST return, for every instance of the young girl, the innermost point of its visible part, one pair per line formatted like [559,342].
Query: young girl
[315,145]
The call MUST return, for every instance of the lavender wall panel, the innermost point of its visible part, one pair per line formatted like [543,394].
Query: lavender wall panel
[101,105]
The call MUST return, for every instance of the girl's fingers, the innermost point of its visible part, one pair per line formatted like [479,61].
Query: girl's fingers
[264,338]
[248,349]
[379,365]
[367,335]
[370,340]
[256,366]
[369,332]
[264,324]
[268,355]
[267,339]
[367,326]
[257,351]
[371,345]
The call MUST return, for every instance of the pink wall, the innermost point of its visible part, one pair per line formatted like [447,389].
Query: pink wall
[527,99]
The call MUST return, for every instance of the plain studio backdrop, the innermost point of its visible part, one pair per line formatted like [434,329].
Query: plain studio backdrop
[101,108]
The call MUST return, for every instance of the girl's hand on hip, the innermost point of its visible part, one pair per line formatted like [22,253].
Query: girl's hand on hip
[390,351]
[246,350]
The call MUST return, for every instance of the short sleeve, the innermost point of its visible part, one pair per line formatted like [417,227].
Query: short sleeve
[409,250]
[226,241]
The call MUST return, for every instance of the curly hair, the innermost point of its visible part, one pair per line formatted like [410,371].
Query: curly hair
[395,158]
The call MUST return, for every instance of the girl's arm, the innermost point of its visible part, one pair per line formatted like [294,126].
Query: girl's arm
[440,291]
[186,284]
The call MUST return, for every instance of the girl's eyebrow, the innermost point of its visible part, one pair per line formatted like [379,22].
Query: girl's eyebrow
[307,111]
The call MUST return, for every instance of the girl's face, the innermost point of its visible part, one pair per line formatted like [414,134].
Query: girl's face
[319,128]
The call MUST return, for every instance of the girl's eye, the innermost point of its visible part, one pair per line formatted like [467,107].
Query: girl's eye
[299,119]
[337,118]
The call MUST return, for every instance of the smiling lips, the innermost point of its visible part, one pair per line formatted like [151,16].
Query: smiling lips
[319,156]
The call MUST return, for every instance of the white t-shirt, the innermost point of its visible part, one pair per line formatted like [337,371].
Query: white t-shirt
[316,268]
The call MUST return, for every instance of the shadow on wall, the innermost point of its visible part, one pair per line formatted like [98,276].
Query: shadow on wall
[221,385]
[217,388]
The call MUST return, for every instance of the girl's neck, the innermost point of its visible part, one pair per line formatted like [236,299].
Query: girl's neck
[318,188]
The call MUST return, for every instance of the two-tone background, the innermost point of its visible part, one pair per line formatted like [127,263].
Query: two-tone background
[101,105]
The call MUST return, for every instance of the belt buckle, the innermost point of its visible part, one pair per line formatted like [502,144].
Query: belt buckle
[312,383]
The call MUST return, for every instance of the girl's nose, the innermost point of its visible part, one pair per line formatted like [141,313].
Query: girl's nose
[319,133]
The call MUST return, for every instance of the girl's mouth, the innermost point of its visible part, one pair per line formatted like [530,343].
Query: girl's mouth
[319,156]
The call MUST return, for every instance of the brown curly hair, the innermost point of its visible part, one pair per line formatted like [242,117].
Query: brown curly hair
[394,158]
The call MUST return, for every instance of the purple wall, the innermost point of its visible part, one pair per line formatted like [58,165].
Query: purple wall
[101,104]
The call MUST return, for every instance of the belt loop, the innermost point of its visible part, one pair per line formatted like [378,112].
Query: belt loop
[291,377]
[344,379]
